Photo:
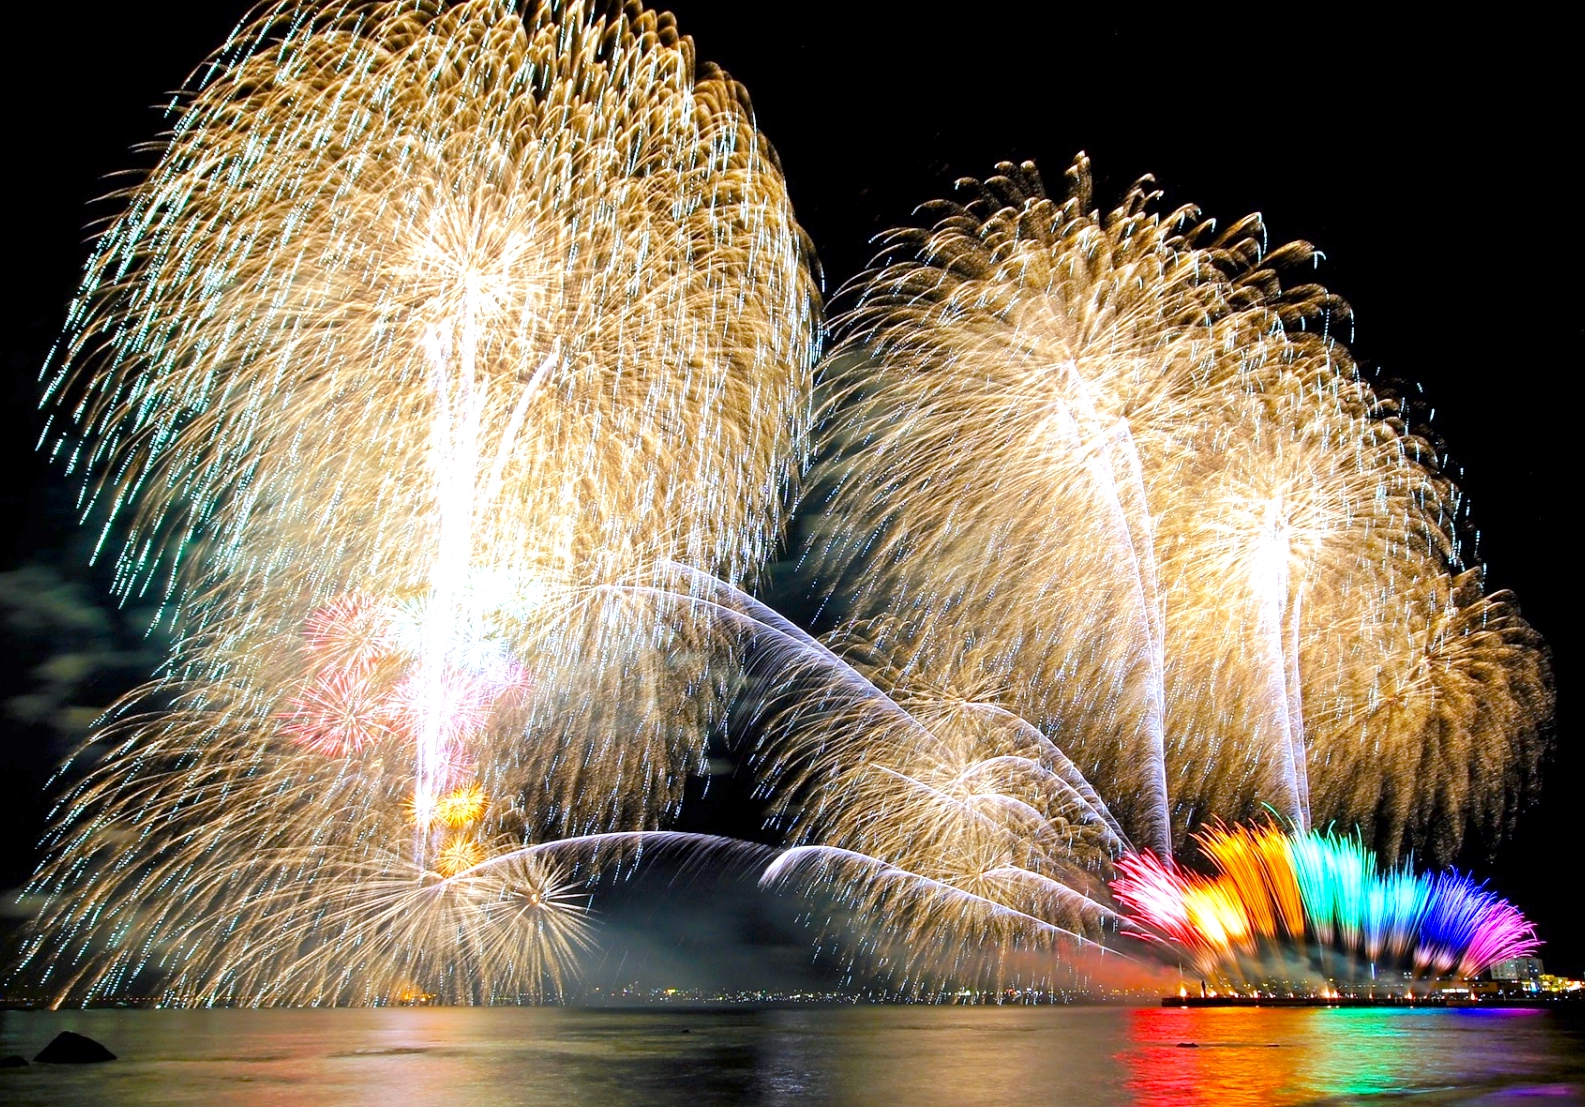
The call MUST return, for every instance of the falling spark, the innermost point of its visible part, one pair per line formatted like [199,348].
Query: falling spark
[436,332]
[1108,467]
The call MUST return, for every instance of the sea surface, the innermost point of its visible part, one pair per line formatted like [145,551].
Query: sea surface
[1088,1056]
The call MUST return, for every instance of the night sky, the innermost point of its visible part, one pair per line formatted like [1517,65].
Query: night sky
[1425,161]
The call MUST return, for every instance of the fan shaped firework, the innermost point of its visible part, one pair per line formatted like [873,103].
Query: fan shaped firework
[437,328]
[1274,893]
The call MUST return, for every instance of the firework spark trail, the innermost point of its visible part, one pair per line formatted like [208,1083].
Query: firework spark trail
[1012,928]
[1272,890]
[954,842]
[1107,468]
[449,375]
[433,321]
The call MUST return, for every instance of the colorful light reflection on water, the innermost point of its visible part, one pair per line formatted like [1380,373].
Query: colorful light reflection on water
[916,1056]
[1242,1057]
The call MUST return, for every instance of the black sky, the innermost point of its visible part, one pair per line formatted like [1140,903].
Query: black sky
[1426,159]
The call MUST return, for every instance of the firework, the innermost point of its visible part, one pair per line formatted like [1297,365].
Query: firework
[438,331]
[449,376]
[1275,891]
[462,807]
[1108,468]
[958,844]
[1101,509]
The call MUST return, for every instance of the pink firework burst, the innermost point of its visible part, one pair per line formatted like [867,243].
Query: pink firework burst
[508,681]
[459,702]
[348,633]
[337,713]
[1153,889]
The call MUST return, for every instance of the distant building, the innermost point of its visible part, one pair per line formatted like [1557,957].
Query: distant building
[1518,969]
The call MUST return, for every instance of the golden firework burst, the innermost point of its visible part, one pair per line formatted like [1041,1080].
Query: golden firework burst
[462,807]
[438,333]
[1110,467]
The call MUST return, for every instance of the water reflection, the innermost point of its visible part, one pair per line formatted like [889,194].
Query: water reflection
[924,1056]
[1226,1061]
[1232,1057]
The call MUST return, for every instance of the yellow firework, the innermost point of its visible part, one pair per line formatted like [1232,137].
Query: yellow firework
[462,807]
[440,334]
[459,853]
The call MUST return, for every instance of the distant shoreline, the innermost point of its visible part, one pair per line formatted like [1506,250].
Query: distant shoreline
[1407,1004]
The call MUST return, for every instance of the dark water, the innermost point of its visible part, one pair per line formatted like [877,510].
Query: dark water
[902,1055]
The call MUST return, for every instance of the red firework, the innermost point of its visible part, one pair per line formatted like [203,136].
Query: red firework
[337,713]
[348,634]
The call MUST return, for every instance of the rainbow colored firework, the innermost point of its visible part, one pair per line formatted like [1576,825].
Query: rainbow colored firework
[1272,888]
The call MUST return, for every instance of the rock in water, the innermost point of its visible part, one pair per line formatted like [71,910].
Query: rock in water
[73,1049]
[13,1062]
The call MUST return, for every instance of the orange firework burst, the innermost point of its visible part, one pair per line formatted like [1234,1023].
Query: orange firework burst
[460,853]
[461,808]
